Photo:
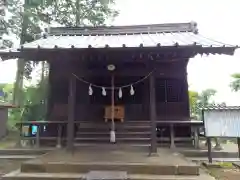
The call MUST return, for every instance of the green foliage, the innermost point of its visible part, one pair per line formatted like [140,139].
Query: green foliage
[34,100]
[235,84]
[82,12]
[193,100]
[7,90]
[205,97]
[200,100]
[27,20]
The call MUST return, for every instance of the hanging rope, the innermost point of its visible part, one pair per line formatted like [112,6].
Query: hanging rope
[109,87]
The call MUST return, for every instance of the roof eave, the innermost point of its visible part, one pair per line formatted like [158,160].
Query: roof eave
[10,55]
[227,50]
[197,49]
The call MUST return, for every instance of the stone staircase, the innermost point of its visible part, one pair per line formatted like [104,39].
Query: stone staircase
[38,170]
[132,132]
[135,162]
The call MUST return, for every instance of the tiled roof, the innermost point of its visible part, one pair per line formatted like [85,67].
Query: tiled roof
[158,35]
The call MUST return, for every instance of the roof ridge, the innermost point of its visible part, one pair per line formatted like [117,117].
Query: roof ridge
[134,29]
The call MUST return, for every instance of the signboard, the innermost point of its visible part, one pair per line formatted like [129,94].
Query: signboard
[222,123]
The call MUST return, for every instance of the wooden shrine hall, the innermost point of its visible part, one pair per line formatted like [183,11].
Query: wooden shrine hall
[119,84]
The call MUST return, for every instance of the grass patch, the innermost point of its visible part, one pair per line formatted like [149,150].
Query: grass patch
[223,171]
[226,165]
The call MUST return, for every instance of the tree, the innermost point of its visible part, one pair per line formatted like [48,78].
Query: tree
[26,22]
[205,100]
[6,91]
[193,100]
[82,12]
[235,84]
[5,43]
[205,97]
[200,100]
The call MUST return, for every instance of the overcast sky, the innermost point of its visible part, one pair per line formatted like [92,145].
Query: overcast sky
[217,19]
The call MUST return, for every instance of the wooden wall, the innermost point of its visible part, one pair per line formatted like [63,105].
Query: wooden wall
[171,89]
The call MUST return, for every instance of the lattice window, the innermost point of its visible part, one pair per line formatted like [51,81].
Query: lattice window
[170,90]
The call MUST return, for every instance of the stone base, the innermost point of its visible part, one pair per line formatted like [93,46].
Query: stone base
[107,175]
[63,176]
[136,162]
[133,168]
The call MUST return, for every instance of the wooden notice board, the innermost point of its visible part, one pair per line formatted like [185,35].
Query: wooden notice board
[118,113]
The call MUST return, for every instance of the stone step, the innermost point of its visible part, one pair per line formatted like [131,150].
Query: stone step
[118,134]
[107,139]
[89,128]
[117,126]
[117,122]
[126,130]
[16,175]
[131,168]
[24,151]
[115,146]
[17,157]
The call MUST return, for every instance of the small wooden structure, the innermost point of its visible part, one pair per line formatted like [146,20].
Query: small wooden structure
[221,121]
[151,74]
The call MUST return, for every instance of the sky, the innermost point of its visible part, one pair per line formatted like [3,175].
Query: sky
[217,19]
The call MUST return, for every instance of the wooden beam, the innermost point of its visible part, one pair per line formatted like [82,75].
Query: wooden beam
[153,114]
[83,71]
[71,112]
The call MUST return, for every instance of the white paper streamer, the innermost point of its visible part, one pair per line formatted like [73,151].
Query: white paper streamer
[90,90]
[120,93]
[104,93]
[132,90]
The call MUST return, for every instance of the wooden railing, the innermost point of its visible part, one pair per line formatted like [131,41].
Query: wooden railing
[59,126]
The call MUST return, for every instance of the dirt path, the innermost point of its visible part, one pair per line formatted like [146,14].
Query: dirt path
[225,174]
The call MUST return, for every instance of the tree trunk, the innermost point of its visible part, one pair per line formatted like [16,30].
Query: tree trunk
[17,95]
[78,21]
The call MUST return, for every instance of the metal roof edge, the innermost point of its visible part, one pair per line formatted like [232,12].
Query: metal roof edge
[6,54]
[219,107]
[134,29]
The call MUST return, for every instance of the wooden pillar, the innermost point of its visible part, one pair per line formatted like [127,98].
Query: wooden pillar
[238,142]
[71,112]
[209,144]
[37,145]
[172,136]
[196,136]
[153,115]
[59,136]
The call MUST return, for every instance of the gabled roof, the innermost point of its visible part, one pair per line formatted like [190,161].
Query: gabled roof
[161,35]
[155,35]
